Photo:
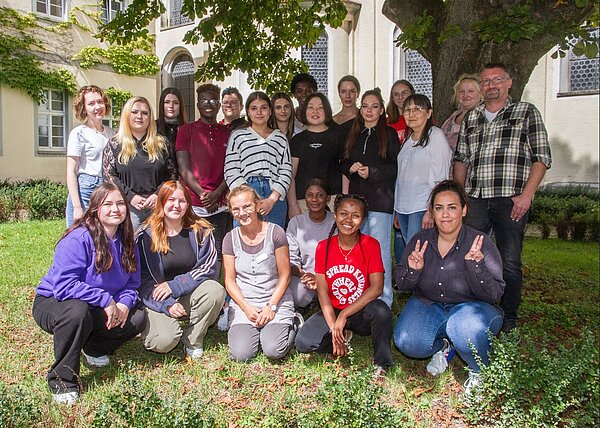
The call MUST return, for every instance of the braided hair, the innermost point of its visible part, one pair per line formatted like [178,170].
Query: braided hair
[336,205]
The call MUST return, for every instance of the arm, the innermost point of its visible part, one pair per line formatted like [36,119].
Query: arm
[461,154]
[109,169]
[459,172]
[281,183]
[522,202]
[185,169]
[484,273]
[233,163]
[128,295]
[408,271]
[292,200]
[73,186]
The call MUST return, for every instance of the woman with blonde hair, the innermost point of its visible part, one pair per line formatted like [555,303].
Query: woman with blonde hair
[84,149]
[467,94]
[137,159]
[178,258]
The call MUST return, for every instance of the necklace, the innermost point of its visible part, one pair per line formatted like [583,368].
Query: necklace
[345,255]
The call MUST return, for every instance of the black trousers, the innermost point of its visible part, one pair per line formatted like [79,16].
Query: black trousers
[76,326]
[375,320]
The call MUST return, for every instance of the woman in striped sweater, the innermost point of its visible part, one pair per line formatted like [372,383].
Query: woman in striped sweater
[259,156]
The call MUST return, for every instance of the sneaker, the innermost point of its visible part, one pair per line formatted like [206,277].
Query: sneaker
[101,361]
[472,385]
[379,374]
[69,398]
[508,324]
[223,323]
[194,353]
[439,361]
[298,321]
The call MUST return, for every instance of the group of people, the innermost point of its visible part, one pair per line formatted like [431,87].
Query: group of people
[342,184]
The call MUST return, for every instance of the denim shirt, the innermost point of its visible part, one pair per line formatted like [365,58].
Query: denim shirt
[452,279]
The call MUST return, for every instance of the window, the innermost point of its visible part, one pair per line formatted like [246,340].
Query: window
[317,60]
[52,122]
[110,8]
[418,72]
[580,74]
[53,8]
[173,16]
[182,75]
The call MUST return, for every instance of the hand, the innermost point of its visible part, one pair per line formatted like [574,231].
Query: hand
[363,172]
[521,204]
[415,259]
[251,312]
[475,253]
[265,206]
[161,291]
[355,167]
[265,316]
[309,280]
[150,201]
[77,213]
[112,313]
[396,222]
[338,338]
[123,314]
[176,310]
[138,202]
[427,222]
[294,210]
[209,200]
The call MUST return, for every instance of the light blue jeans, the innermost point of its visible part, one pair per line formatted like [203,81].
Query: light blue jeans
[87,184]
[263,188]
[422,325]
[379,226]
[410,224]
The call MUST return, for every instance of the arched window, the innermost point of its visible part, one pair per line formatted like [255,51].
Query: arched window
[412,66]
[317,60]
[182,77]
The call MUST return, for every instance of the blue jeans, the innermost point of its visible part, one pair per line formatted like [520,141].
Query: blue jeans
[87,184]
[399,245]
[493,214]
[410,224]
[379,226]
[138,216]
[423,324]
[263,188]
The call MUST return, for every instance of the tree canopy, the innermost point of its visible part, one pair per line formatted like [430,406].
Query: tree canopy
[257,36]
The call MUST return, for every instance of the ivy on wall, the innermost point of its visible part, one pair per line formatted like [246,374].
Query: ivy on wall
[20,48]
[118,97]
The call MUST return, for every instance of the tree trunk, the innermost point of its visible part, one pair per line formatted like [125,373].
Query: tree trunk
[466,53]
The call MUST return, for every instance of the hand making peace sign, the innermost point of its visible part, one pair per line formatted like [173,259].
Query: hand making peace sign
[415,259]
[475,253]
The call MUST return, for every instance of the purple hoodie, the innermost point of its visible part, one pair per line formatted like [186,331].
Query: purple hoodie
[73,273]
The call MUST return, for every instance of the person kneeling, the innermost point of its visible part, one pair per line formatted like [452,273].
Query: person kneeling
[455,274]
[178,257]
[349,273]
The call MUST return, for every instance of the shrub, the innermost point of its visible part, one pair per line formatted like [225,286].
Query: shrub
[531,387]
[18,408]
[35,199]
[136,404]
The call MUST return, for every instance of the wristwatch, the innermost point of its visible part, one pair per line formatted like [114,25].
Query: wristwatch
[273,307]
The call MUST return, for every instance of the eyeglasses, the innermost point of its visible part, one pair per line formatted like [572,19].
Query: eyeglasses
[414,110]
[495,81]
[230,103]
[205,103]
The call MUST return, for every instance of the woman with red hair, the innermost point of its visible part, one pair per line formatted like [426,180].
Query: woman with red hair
[178,256]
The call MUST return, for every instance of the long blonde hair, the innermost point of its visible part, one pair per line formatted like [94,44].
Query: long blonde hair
[160,241]
[154,144]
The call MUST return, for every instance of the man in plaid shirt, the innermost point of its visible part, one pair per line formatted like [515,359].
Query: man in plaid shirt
[501,158]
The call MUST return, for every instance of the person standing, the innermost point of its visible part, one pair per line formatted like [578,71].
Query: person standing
[232,102]
[84,149]
[200,151]
[503,144]
[171,116]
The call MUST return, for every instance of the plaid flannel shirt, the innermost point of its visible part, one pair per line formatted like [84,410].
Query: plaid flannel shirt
[499,154]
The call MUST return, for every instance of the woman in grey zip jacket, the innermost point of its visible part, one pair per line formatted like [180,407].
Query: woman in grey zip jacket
[177,257]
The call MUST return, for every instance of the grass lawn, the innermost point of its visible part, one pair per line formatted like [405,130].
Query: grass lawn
[560,302]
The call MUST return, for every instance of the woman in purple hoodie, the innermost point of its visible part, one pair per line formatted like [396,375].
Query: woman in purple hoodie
[87,299]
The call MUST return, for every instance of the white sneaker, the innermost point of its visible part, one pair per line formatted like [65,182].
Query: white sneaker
[439,361]
[472,385]
[66,397]
[298,321]
[223,323]
[101,361]
[194,353]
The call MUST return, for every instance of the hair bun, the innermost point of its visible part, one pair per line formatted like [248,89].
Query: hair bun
[377,90]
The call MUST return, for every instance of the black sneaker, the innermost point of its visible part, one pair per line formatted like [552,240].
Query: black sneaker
[508,325]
